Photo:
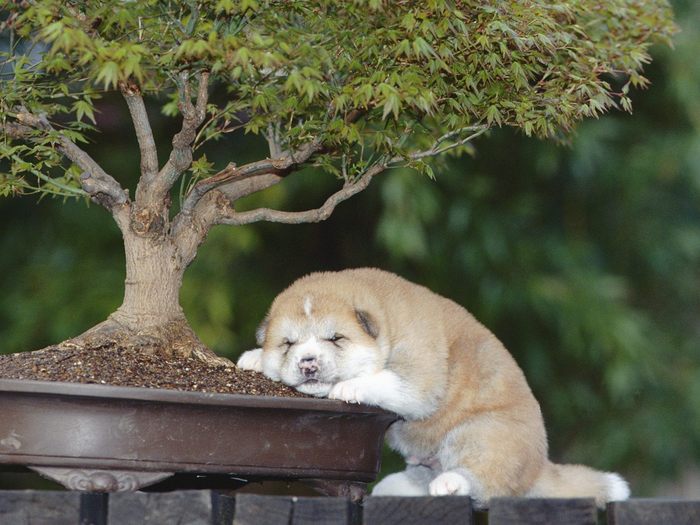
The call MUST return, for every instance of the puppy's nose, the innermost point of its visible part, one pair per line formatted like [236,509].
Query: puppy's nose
[308,366]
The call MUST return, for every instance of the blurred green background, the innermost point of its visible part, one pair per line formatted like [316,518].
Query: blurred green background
[584,259]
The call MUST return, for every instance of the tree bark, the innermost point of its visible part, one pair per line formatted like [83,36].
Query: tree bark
[150,317]
[153,279]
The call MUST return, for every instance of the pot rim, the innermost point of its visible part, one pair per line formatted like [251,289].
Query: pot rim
[102,391]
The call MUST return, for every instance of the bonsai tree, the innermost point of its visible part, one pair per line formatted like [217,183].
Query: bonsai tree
[351,88]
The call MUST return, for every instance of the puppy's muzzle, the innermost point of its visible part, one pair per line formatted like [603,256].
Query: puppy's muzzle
[308,366]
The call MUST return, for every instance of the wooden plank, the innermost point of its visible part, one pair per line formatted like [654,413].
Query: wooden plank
[321,511]
[39,507]
[542,511]
[192,507]
[222,508]
[390,510]
[93,508]
[654,511]
[252,509]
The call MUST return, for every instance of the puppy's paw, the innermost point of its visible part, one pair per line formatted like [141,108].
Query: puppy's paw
[401,484]
[449,484]
[617,487]
[351,391]
[251,360]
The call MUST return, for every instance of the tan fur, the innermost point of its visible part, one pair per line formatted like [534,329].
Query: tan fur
[477,413]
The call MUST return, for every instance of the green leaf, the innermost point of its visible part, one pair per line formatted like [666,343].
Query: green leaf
[493,115]
[108,74]
[83,108]
[391,106]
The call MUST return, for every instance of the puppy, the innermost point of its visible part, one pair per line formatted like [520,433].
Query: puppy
[471,425]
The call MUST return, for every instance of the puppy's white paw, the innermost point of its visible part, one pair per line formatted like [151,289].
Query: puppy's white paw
[400,484]
[449,484]
[351,391]
[251,360]
[617,487]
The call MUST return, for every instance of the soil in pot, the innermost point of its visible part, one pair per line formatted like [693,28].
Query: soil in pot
[113,365]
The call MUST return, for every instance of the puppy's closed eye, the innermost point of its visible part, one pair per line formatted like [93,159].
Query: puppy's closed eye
[335,338]
[287,344]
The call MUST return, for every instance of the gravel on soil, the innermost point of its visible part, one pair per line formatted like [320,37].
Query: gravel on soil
[129,367]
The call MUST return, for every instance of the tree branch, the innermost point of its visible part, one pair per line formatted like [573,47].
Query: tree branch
[210,200]
[227,178]
[15,131]
[349,190]
[100,186]
[142,127]
[251,185]
[273,140]
[436,149]
[233,182]
[181,155]
[315,215]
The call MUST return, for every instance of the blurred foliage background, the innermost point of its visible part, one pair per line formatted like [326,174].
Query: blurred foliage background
[584,259]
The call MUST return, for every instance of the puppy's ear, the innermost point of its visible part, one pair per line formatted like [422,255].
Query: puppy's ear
[367,323]
[261,332]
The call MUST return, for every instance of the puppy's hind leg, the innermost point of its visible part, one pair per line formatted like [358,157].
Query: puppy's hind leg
[451,483]
[413,481]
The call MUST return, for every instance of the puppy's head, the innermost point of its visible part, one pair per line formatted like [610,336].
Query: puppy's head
[313,340]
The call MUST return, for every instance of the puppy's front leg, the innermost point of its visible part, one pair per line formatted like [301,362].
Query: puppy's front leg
[384,389]
[251,360]
[267,363]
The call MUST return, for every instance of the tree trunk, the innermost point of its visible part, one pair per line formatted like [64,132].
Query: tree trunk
[152,285]
[150,317]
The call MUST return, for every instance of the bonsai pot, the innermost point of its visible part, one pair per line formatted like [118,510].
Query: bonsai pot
[106,438]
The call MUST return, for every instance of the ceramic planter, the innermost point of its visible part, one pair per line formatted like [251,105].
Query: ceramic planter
[107,438]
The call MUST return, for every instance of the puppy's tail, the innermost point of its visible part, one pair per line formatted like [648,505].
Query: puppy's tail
[577,481]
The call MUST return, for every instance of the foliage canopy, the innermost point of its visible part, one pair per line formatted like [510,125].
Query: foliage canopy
[369,79]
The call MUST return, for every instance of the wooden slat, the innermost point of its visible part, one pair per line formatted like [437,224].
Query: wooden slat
[654,511]
[390,510]
[93,508]
[535,511]
[222,508]
[252,509]
[39,507]
[321,511]
[183,506]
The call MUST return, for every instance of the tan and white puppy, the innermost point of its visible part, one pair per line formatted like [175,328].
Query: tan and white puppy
[471,425]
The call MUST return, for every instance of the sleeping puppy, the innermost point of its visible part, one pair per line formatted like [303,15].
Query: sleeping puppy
[471,425]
